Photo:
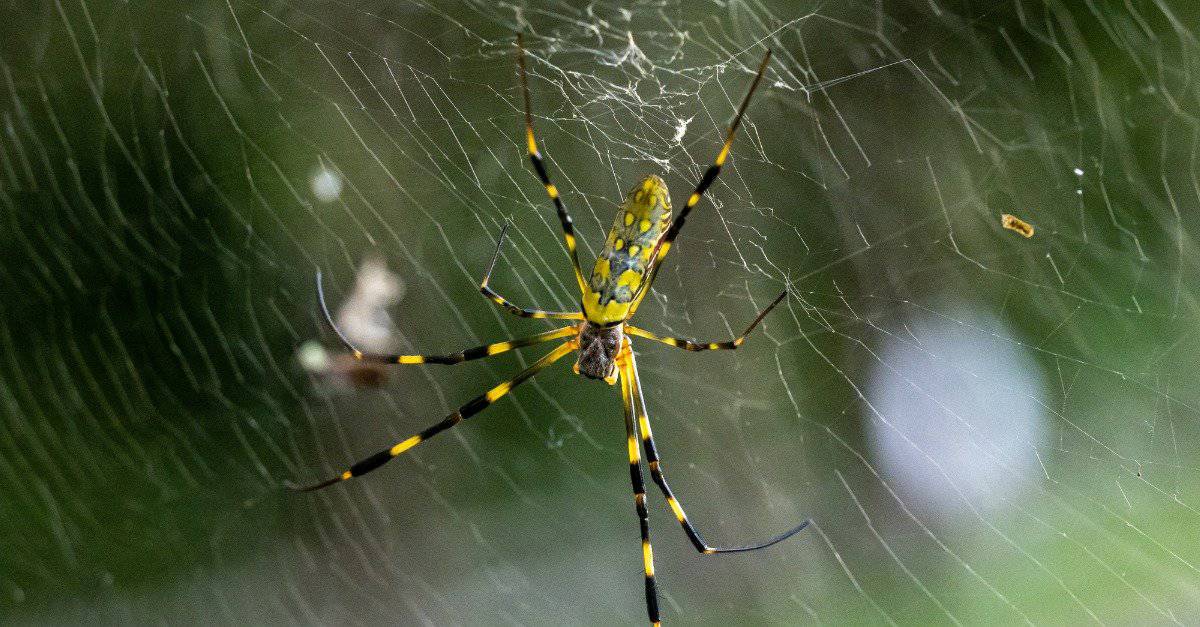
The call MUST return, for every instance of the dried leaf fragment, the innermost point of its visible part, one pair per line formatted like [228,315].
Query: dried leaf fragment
[1013,223]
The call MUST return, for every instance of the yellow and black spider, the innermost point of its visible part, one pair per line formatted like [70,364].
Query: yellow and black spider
[639,240]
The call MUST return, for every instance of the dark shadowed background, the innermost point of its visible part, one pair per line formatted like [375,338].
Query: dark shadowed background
[983,427]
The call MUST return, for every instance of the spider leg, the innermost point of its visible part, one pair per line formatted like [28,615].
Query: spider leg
[706,346]
[472,407]
[656,472]
[639,486]
[487,350]
[710,175]
[495,297]
[535,156]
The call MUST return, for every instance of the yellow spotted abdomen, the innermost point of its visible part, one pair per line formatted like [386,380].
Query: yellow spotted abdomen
[614,286]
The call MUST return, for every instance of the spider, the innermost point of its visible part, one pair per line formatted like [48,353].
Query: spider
[633,253]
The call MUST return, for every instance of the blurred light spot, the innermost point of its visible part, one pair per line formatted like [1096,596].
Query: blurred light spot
[960,413]
[312,356]
[326,185]
[1078,171]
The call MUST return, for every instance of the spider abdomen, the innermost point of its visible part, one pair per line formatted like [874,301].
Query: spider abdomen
[615,283]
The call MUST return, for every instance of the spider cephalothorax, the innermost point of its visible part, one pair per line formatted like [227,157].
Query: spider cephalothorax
[598,347]
[642,233]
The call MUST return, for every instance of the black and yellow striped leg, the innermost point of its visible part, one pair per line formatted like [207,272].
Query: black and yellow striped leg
[706,346]
[656,472]
[639,486]
[535,156]
[710,175]
[487,350]
[495,297]
[474,406]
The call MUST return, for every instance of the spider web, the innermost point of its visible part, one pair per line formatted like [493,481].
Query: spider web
[983,427]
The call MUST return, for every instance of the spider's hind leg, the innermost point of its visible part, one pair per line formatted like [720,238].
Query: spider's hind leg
[472,407]
[636,409]
[639,484]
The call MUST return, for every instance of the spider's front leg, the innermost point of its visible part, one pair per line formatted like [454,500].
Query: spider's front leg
[495,297]
[710,175]
[535,156]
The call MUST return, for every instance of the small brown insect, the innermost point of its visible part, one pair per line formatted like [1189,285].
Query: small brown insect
[1013,223]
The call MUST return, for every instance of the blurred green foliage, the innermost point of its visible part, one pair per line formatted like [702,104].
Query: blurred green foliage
[159,237]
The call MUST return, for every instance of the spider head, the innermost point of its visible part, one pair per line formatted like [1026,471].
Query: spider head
[598,348]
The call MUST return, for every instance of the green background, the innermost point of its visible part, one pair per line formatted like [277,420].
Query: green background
[984,428]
